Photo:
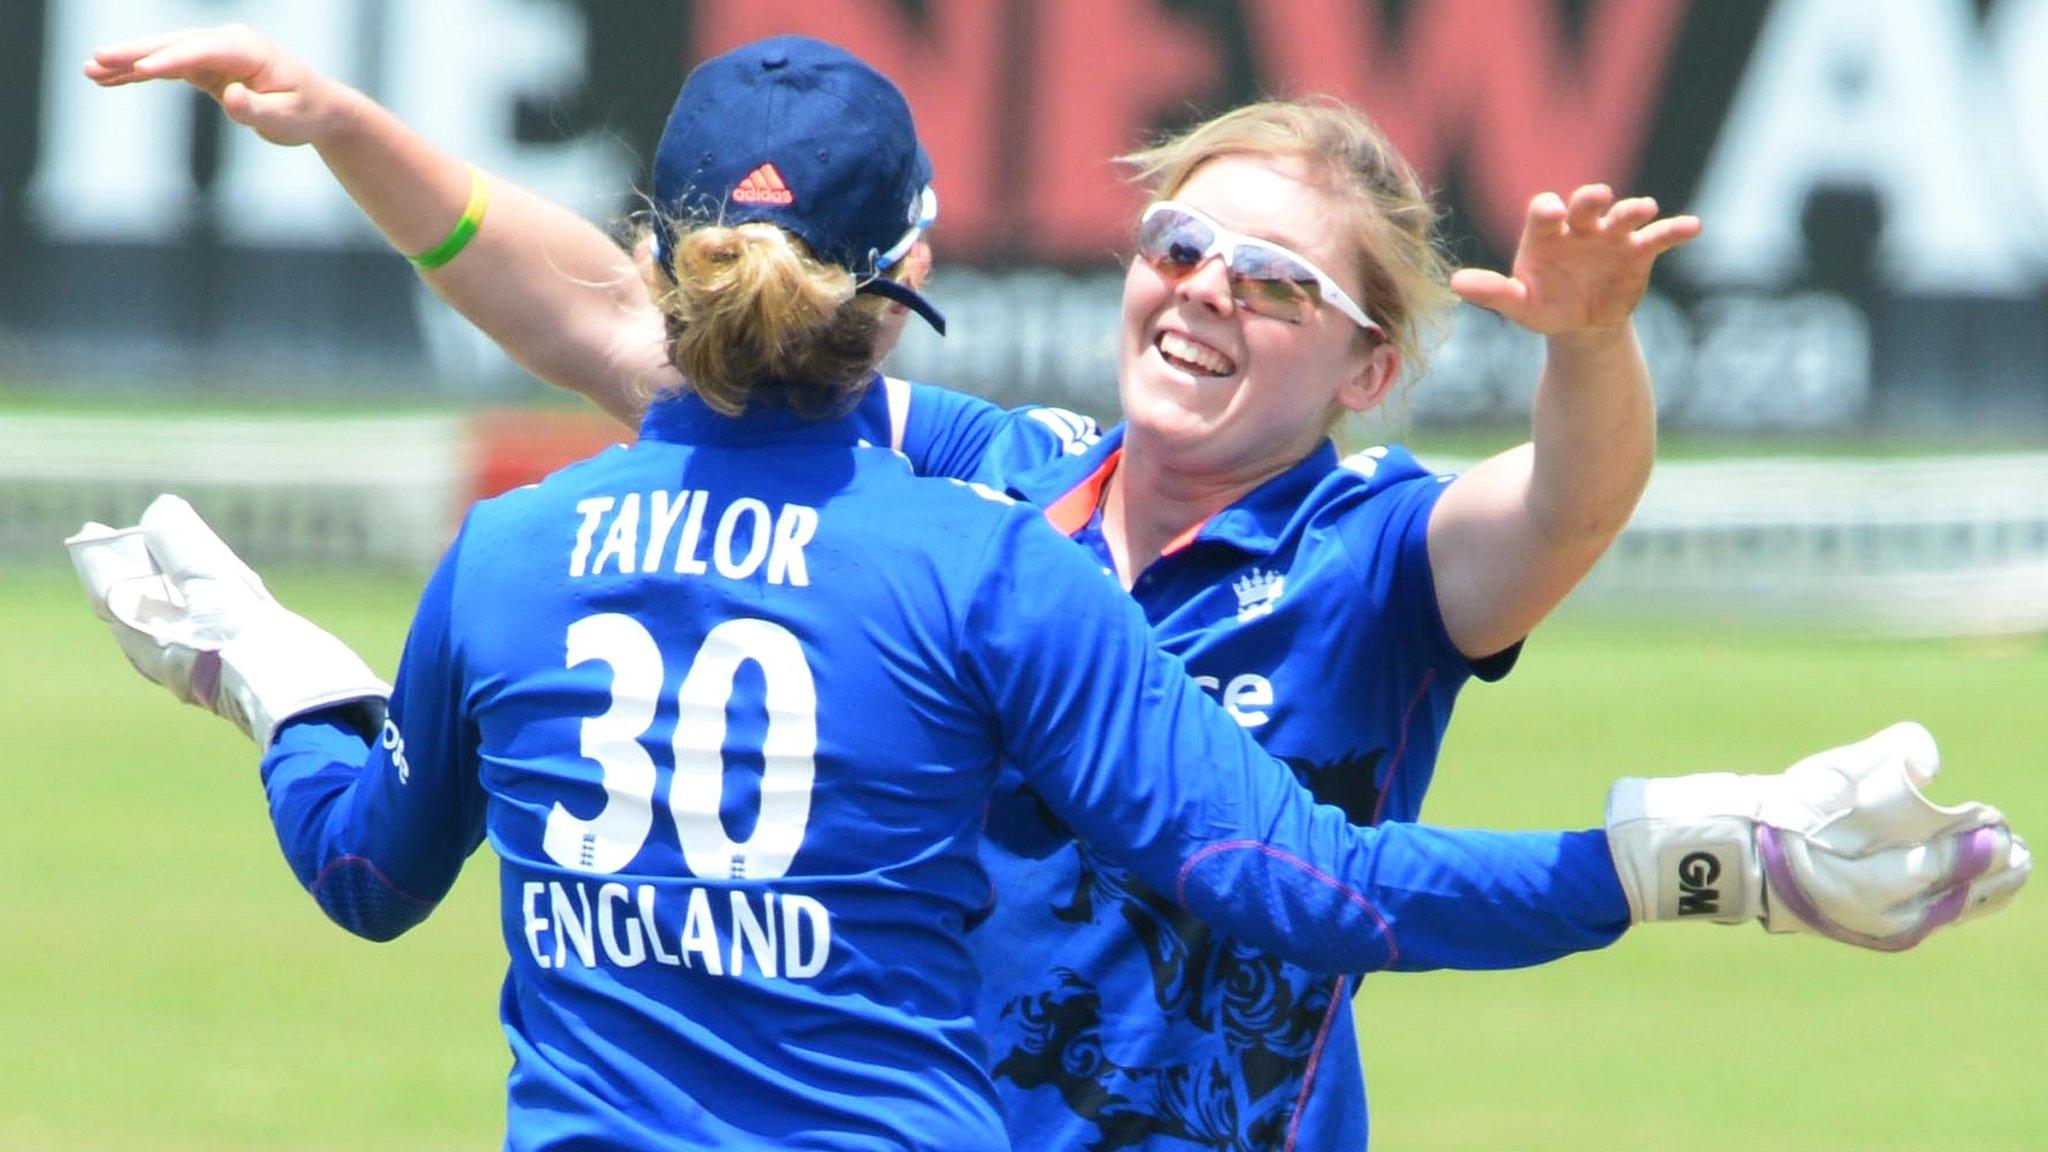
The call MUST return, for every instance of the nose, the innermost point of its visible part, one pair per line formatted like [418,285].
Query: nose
[1208,286]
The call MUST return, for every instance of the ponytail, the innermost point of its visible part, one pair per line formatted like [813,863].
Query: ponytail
[748,307]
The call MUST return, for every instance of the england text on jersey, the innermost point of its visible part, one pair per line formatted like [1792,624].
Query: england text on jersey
[577,923]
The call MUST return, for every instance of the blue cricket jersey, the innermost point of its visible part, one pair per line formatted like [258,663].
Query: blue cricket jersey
[730,706]
[1307,608]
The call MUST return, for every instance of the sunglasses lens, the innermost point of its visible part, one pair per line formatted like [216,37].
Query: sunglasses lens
[1274,282]
[1174,242]
[1289,300]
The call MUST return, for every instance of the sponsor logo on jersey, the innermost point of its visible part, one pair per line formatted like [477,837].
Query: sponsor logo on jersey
[1257,592]
[1365,463]
[394,743]
[763,186]
[1076,433]
[1248,696]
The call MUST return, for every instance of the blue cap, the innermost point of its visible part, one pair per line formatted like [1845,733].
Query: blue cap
[801,134]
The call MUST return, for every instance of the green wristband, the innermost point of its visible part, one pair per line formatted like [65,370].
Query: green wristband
[465,228]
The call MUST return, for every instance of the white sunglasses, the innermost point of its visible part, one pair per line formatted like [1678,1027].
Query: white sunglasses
[927,209]
[1264,277]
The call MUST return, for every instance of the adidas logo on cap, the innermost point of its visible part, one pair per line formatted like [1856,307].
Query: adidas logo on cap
[763,186]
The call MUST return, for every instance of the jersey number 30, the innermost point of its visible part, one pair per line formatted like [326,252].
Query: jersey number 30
[610,840]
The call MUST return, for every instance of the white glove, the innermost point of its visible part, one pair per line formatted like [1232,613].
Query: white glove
[192,617]
[1842,843]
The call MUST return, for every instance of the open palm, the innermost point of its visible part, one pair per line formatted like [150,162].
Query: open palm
[1580,265]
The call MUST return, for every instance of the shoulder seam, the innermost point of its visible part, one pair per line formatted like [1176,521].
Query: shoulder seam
[897,392]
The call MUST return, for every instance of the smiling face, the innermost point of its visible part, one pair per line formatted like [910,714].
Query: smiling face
[1224,391]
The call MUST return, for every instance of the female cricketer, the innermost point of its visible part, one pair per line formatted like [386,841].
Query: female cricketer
[880,674]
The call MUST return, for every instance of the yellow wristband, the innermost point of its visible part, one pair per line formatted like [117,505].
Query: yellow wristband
[465,228]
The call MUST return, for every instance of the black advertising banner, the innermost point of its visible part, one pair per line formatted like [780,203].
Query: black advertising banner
[1873,175]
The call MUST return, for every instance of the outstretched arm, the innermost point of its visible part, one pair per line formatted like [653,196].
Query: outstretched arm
[1515,533]
[549,286]
[1121,744]
[1161,780]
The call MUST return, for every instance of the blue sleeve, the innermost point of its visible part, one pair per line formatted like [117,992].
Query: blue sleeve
[377,831]
[1117,739]
[1390,545]
[962,437]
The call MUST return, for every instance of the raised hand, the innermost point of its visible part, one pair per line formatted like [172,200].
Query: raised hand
[1579,266]
[256,83]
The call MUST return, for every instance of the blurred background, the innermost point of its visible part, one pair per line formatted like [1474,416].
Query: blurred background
[1872,282]
[1849,522]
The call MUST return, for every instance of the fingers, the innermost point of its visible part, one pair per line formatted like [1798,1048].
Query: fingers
[271,113]
[257,84]
[1593,211]
[207,58]
[185,548]
[128,593]
[1888,772]
[1588,204]
[1910,743]
[1886,767]
[107,77]
[1998,874]
[1892,900]
[1547,216]
[1488,289]
[104,557]
[1997,889]
[114,63]
[1916,875]
[1630,214]
[1662,236]
[1863,802]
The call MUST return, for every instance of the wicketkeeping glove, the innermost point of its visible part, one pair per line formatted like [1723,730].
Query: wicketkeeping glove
[192,617]
[1842,843]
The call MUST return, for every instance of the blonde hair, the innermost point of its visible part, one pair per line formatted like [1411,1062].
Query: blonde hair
[748,307]
[1391,222]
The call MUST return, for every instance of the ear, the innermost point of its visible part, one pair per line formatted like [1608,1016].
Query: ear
[917,265]
[1374,380]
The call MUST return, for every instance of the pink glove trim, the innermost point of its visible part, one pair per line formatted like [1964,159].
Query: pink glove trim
[1973,859]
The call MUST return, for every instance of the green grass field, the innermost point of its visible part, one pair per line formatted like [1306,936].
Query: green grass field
[165,985]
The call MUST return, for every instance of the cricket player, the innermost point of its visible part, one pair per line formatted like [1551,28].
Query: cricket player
[731,703]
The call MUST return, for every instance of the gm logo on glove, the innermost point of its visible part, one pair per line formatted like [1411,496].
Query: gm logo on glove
[1695,873]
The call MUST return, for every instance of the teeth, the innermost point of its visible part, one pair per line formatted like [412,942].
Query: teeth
[1188,354]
